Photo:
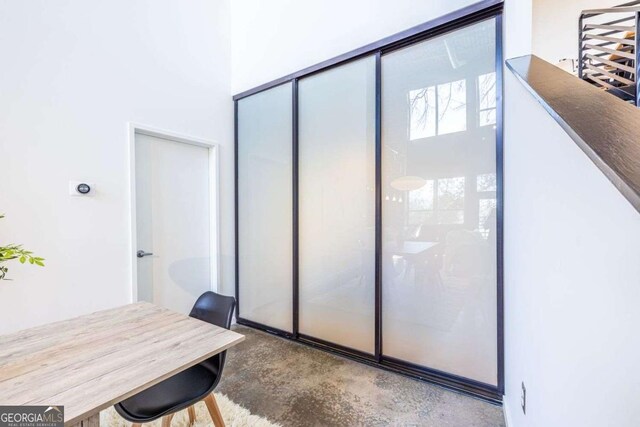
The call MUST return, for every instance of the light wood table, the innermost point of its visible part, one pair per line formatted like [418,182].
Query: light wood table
[91,362]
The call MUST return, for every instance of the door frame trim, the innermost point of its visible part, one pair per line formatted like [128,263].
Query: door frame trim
[134,129]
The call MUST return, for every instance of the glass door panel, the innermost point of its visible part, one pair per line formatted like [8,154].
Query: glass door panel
[439,264]
[337,205]
[265,204]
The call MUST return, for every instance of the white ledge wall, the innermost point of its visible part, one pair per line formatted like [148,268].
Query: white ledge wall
[74,73]
[572,274]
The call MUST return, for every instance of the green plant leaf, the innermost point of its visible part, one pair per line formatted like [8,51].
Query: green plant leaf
[13,251]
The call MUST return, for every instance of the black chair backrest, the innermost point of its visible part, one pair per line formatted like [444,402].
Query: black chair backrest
[218,310]
[214,308]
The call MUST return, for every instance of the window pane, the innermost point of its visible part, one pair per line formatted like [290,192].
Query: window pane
[488,117]
[452,107]
[422,198]
[487,90]
[265,207]
[438,250]
[422,104]
[487,99]
[486,182]
[337,205]
[451,193]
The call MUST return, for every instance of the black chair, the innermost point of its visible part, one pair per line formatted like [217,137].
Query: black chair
[190,386]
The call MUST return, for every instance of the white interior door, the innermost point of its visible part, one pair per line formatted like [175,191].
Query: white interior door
[172,222]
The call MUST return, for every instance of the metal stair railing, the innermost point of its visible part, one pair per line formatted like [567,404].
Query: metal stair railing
[608,54]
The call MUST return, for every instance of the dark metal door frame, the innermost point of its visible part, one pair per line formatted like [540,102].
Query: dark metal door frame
[483,10]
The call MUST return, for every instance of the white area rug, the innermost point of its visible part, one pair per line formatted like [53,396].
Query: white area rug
[234,416]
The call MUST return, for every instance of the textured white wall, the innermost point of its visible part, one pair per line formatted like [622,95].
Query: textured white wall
[572,279]
[74,73]
[277,37]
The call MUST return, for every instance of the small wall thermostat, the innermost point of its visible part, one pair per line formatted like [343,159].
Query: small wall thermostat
[83,188]
[79,188]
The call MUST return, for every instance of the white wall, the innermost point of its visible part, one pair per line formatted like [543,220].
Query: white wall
[517,28]
[555,26]
[74,73]
[572,277]
[517,40]
[274,38]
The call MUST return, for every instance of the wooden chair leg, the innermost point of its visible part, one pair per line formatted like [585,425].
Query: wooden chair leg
[214,411]
[192,414]
[166,420]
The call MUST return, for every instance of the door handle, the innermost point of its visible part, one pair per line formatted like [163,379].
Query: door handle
[142,253]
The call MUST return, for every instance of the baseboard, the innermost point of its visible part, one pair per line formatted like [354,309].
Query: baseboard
[507,412]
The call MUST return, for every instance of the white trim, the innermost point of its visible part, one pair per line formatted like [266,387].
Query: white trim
[506,412]
[214,191]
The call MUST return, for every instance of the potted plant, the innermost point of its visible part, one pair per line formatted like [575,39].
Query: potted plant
[12,252]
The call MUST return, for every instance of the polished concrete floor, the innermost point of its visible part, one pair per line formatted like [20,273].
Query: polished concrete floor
[295,385]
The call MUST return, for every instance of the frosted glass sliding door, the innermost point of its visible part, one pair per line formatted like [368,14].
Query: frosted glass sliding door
[336,158]
[265,228]
[439,251]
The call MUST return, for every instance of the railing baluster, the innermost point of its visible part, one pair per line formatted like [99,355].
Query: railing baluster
[611,40]
[614,28]
[620,53]
[608,49]
[580,54]
[637,59]
[613,64]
